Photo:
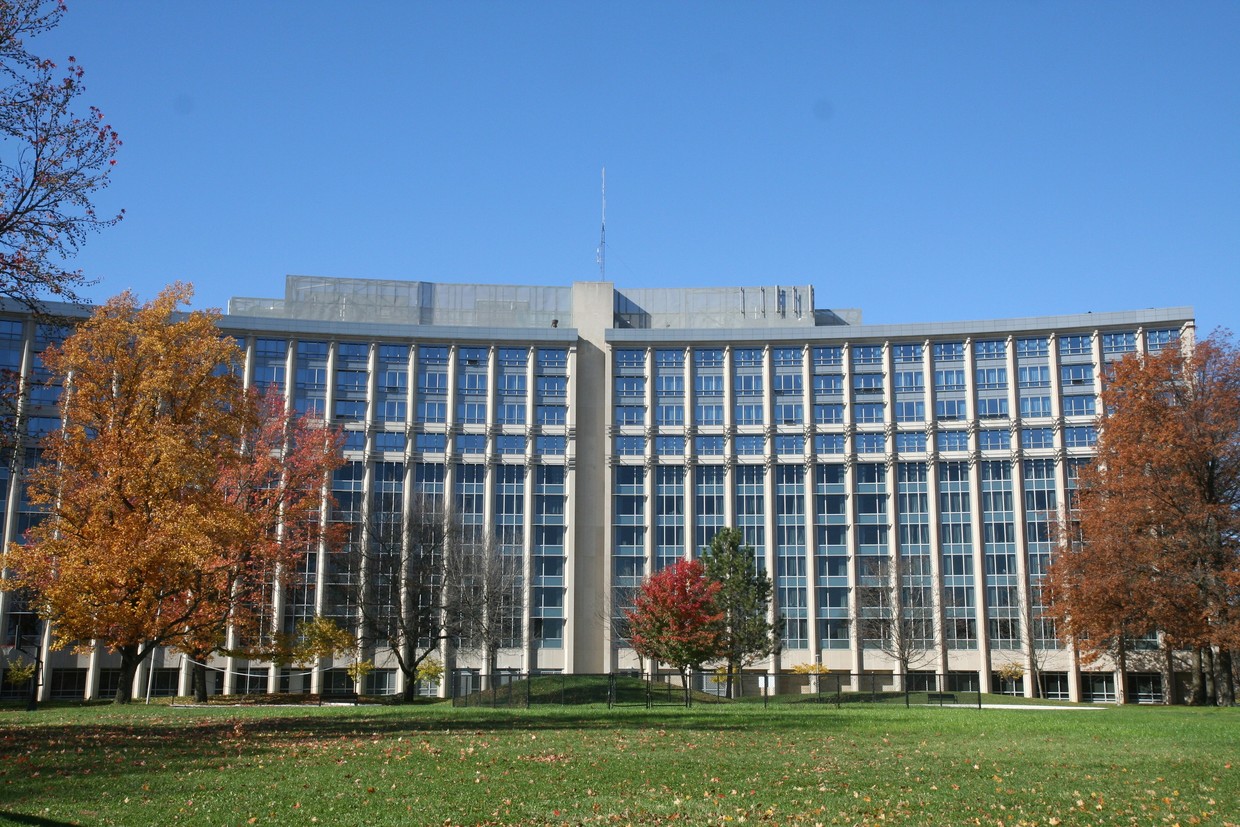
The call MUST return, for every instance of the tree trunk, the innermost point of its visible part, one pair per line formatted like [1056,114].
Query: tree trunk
[131,656]
[1121,677]
[1197,692]
[1168,673]
[1207,662]
[198,680]
[407,661]
[1224,679]
[684,682]
[492,658]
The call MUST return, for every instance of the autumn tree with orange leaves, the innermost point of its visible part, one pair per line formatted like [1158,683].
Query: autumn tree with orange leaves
[1153,545]
[274,479]
[173,497]
[677,619]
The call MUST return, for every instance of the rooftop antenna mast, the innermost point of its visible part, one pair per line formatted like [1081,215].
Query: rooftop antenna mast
[601,255]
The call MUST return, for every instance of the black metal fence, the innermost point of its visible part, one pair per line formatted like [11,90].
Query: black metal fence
[518,689]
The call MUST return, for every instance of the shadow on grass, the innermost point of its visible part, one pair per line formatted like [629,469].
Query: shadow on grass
[111,749]
[19,818]
[68,757]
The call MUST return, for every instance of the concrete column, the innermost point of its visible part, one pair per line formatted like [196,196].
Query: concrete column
[45,671]
[811,513]
[92,673]
[688,509]
[768,553]
[850,519]
[590,418]
[184,672]
[597,627]
[16,474]
[895,564]
[140,677]
[528,654]
[975,521]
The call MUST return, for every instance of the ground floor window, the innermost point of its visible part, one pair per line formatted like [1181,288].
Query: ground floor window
[1098,687]
[10,691]
[109,680]
[381,682]
[337,681]
[833,633]
[1145,688]
[68,684]
[548,632]
[162,683]
[1055,686]
[1007,686]
[962,682]
[251,682]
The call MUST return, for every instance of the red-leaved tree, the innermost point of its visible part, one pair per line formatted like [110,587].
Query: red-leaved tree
[275,487]
[1156,542]
[676,619]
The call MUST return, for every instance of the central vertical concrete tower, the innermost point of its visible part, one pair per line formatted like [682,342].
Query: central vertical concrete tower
[593,306]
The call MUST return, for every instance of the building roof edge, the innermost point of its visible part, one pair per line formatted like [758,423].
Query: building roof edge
[1031,324]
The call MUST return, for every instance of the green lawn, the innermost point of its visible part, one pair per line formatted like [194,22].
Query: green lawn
[717,764]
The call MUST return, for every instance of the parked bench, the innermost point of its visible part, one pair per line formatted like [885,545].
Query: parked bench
[940,697]
[338,698]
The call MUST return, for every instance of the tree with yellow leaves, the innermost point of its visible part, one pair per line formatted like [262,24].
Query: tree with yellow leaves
[167,496]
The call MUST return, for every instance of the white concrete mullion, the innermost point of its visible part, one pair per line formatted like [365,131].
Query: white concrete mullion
[17,468]
[895,561]
[975,521]
[320,590]
[528,653]
[1024,610]
[729,429]
[689,509]
[650,462]
[811,511]
[571,621]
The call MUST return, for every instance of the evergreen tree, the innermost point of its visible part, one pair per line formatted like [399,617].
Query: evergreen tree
[744,598]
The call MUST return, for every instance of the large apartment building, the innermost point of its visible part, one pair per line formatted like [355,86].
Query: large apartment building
[598,434]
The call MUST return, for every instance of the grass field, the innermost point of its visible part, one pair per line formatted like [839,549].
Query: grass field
[720,764]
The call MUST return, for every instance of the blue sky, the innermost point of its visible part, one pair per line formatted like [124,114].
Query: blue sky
[922,161]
